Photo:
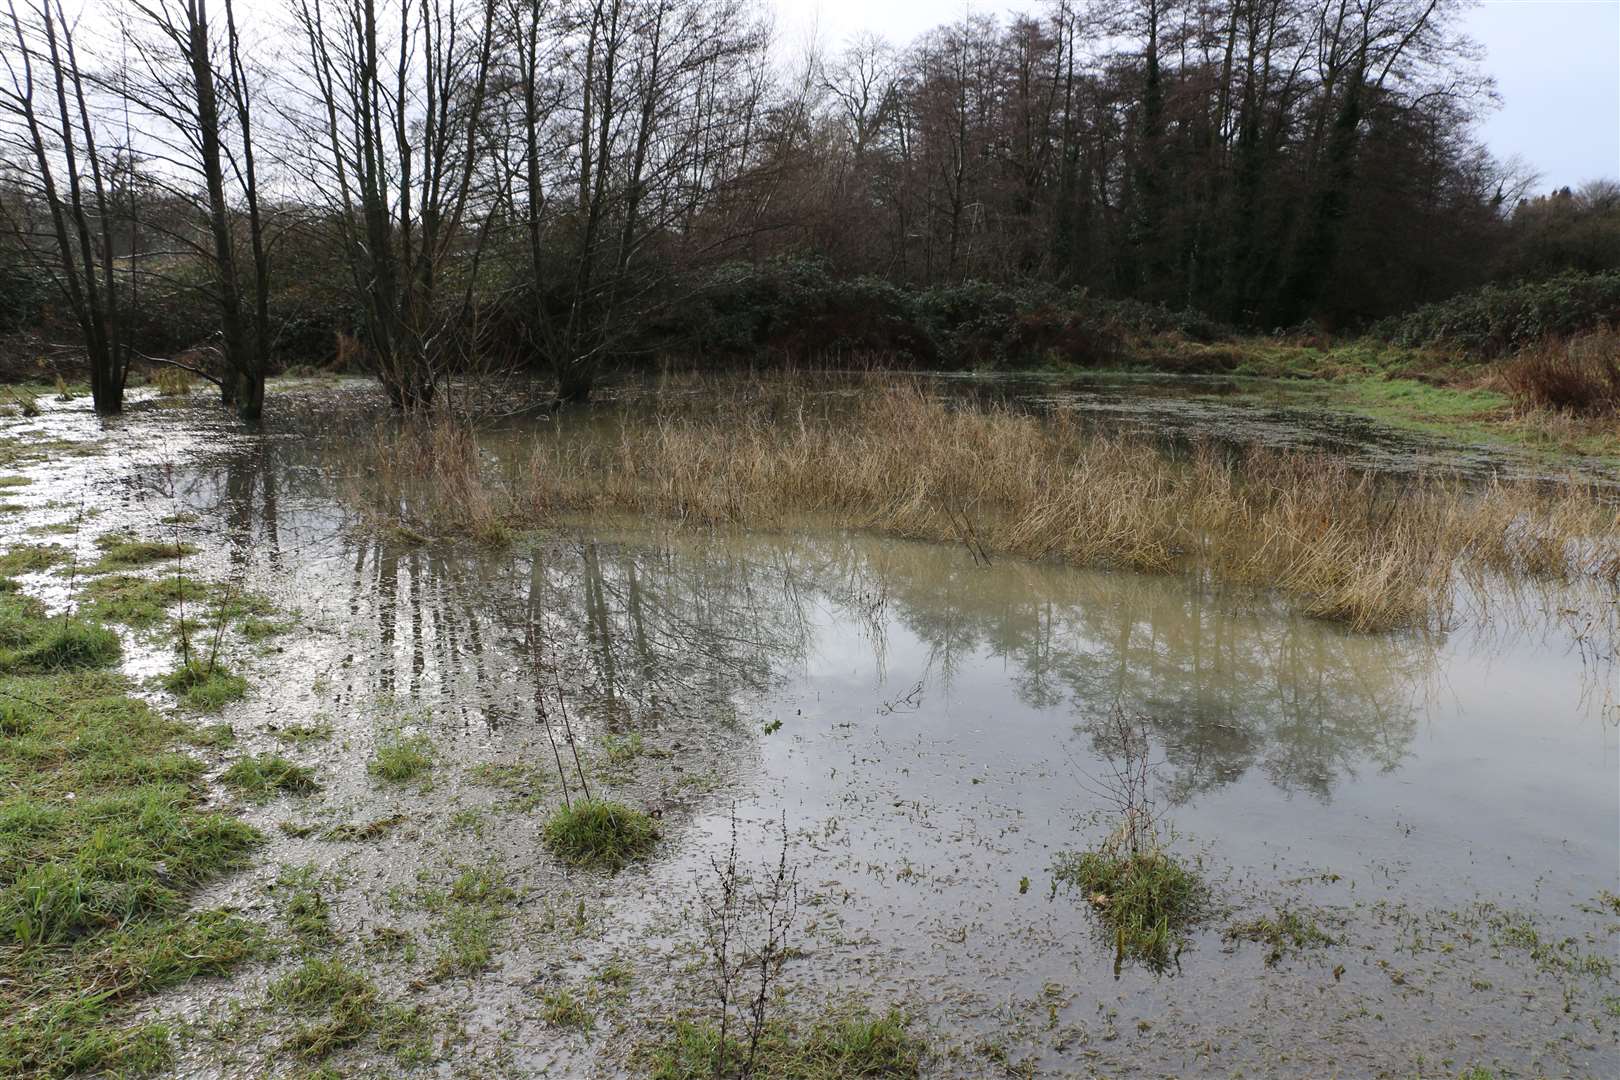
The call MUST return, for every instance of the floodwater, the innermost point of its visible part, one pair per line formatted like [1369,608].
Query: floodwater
[930,734]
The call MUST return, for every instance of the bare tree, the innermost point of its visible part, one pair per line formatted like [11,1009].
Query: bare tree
[61,136]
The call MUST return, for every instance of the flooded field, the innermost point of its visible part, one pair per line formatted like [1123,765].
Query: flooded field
[1410,840]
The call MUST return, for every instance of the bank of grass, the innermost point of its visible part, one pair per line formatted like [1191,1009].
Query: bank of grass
[1373,552]
[103,839]
[600,834]
[853,1044]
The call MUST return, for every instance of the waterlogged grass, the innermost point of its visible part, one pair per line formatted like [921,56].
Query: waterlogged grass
[856,1044]
[32,558]
[208,687]
[138,601]
[600,834]
[103,839]
[1348,545]
[263,776]
[1146,897]
[468,914]
[1283,932]
[120,551]
[334,1005]
[400,760]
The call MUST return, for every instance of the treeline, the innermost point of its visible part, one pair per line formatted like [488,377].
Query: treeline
[463,185]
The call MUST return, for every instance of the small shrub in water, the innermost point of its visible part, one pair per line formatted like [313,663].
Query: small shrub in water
[600,833]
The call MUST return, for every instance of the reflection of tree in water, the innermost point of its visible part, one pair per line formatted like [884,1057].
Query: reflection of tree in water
[1226,688]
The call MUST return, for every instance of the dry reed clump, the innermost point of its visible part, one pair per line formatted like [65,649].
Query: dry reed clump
[1374,552]
[436,467]
[1580,376]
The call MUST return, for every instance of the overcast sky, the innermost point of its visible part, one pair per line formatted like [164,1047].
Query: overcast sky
[1556,64]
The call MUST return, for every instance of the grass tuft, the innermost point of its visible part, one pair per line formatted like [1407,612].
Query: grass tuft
[208,687]
[119,551]
[401,760]
[600,834]
[264,775]
[1146,897]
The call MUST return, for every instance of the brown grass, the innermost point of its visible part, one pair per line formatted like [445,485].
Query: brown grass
[1373,552]
[1578,376]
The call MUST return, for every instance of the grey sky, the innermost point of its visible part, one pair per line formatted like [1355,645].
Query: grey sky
[1556,64]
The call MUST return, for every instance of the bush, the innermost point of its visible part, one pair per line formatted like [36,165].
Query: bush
[1579,376]
[1500,319]
[797,309]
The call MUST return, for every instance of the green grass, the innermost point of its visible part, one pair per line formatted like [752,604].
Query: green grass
[1146,899]
[207,687]
[400,760]
[337,1005]
[600,834]
[32,643]
[139,601]
[856,1044]
[265,775]
[468,914]
[563,1009]
[103,840]
[120,551]
[1285,931]
[32,558]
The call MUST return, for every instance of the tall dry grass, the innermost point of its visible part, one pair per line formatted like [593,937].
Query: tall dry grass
[1374,552]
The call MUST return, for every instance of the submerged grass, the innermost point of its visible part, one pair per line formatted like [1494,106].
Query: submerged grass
[1374,552]
[600,834]
[855,1044]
